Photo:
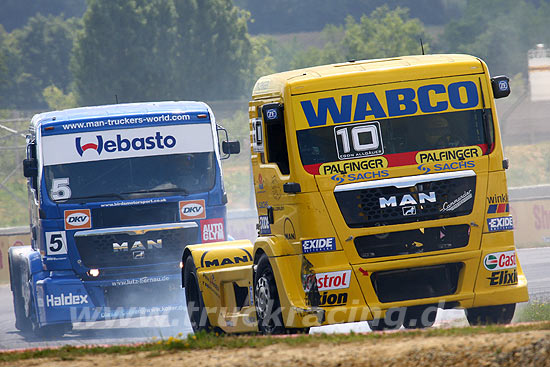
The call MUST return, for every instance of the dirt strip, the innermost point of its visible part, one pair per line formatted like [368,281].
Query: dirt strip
[508,349]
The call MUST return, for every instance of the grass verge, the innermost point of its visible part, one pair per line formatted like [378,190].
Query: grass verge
[534,311]
[202,341]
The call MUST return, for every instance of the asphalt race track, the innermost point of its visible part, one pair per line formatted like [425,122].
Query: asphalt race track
[535,263]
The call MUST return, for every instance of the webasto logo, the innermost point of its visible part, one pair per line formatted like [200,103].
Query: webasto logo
[121,144]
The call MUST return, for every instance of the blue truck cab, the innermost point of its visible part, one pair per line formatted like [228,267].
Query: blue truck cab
[115,194]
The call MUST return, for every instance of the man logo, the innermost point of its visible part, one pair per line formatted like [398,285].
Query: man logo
[409,210]
[82,148]
[78,219]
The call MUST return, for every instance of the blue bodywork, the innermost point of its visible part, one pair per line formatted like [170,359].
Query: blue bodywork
[134,241]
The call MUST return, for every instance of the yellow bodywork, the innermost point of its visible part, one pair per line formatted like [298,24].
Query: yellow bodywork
[313,212]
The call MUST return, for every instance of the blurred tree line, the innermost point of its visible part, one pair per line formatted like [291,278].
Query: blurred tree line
[69,53]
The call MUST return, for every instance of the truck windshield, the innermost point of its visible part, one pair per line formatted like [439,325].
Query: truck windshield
[128,178]
[395,136]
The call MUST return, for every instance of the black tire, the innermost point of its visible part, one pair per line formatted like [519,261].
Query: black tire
[193,298]
[389,322]
[419,317]
[22,316]
[490,315]
[266,298]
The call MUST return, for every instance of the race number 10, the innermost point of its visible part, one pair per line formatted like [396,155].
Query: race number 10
[358,140]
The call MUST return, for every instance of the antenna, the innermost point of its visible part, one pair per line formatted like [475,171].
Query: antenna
[116,98]
[422,46]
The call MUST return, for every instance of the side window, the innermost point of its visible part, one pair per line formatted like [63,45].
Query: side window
[31,157]
[275,137]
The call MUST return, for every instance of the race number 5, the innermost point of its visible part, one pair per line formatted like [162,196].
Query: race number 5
[60,189]
[56,243]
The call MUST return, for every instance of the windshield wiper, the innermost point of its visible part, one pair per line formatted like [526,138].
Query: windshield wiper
[119,196]
[171,189]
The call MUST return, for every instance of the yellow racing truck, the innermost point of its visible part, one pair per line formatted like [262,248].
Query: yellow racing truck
[381,194]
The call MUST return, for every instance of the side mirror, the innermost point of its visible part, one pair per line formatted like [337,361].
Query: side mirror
[501,86]
[231,147]
[30,168]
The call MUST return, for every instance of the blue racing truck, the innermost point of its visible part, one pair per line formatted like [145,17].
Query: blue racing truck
[115,194]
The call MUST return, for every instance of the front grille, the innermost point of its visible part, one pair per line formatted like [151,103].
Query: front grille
[135,215]
[416,283]
[413,241]
[129,247]
[386,205]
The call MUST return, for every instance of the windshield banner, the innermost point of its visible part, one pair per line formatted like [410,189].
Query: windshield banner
[386,101]
[115,144]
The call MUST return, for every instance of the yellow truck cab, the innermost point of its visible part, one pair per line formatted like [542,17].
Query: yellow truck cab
[380,187]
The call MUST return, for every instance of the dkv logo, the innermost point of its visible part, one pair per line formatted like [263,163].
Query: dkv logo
[78,219]
[120,144]
[192,209]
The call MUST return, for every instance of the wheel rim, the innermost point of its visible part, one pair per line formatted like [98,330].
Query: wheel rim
[263,297]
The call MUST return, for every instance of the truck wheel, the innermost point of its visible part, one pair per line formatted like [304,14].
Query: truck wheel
[489,315]
[268,306]
[419,317]
[193,297]
[22,319]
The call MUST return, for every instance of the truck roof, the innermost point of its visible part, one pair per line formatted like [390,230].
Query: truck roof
[366,72]
[123,109]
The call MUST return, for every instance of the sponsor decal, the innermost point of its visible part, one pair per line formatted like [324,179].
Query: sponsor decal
[407,199]
[503,277]
[333,280]
[450,154]
[358,140]
[260,182]
[271,114]
[333,299]
[369,175]
[209,281]
[244,258]
[142,280]
[275,188]
[319,245]
[121,144]
[498,208]
[212,230]
[364,272]
[428,98]
[500,224]
[354,165]
[288,229]
[66,300]
[265,227]
[442,167]
[500,260]
[456,203]
[136,142]
[192,209]
[78,219]
[498,199]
